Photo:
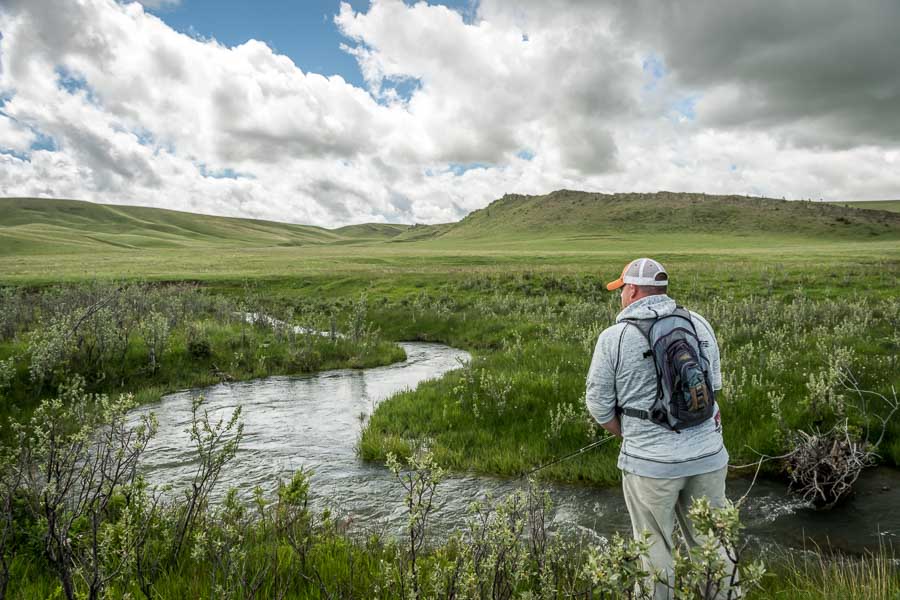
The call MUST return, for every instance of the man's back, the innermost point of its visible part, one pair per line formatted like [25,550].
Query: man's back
[622,376]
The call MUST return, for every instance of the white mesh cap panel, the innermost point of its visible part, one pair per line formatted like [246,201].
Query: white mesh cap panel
[644,271]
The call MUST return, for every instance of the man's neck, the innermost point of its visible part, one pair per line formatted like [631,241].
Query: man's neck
[639,299]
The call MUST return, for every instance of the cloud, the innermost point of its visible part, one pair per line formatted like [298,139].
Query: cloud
[820,71]
[159,4]
[102,100]
[486,91]
[14,137]
[817,72]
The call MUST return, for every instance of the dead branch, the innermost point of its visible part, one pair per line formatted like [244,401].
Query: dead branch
[824,466]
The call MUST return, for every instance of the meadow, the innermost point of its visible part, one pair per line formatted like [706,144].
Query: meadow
[889,205]
[797,314]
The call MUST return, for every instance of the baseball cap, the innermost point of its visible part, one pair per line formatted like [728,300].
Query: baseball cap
[642,271]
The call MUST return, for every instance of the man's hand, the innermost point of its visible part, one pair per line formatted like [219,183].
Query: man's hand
[613,426]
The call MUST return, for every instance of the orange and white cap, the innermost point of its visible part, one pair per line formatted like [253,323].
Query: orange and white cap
[642,271]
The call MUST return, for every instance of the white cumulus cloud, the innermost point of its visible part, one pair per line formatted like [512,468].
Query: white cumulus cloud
[101,100]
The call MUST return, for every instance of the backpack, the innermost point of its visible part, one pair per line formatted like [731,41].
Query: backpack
[684,393]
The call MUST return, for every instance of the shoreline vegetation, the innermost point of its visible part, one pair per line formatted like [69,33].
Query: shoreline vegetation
[81,523]
[149,340]
[807,323]
[529,334]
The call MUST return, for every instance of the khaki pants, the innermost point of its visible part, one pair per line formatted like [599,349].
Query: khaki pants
[654,504]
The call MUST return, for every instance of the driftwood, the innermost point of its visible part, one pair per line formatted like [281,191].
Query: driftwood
[223,376]
[823,466]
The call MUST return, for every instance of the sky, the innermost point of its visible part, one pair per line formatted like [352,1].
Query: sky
[332,113]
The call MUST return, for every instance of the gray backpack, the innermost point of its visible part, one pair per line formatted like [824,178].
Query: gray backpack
[684,393]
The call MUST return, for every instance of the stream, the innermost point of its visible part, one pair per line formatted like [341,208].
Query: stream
[314,421]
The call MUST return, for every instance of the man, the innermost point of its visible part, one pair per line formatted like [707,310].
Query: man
[663,469]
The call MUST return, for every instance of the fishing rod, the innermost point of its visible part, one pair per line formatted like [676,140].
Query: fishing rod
[596,444]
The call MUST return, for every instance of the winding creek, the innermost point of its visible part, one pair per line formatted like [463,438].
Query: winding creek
[314,421]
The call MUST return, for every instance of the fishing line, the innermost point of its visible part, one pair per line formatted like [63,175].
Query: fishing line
[596,444]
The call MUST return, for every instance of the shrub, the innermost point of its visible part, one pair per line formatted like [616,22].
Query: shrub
[199,349]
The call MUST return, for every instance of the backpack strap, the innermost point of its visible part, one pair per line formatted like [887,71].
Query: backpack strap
[685,314]
[633,412]
[616,368]
[644,326]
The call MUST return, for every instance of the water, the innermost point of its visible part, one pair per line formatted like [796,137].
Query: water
[314,422]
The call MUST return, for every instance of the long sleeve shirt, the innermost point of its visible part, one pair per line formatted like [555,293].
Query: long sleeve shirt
[620,375]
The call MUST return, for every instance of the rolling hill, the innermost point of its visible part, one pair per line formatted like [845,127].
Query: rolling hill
[889,205]
[588,214]
[35,225]
[373,231]
[44,226]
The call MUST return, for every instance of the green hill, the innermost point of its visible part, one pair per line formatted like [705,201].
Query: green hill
[420,232]
[888,205]
[34,225]
[581,214]
[372,231]
[44,226]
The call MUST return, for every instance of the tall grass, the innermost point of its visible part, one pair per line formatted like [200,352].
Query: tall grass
[821,576]
[152,339]
[521,400]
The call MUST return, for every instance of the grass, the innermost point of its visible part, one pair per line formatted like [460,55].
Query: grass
[235,549]
[520,402]
[612,215]
[42,226]
[430,262]
[530,313]
[791,578]
[207,342]
[520,285]
[888,205]
[563,220]
[818,576]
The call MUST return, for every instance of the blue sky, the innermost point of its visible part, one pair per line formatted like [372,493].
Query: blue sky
[303,30]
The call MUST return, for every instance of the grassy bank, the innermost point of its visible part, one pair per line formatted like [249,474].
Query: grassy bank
[150,340]
[818,576]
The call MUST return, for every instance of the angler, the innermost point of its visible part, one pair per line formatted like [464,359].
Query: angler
[652,382]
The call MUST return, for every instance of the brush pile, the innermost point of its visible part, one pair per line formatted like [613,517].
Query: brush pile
[825,466]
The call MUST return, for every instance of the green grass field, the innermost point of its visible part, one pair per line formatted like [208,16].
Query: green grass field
[888,205]
[520,285]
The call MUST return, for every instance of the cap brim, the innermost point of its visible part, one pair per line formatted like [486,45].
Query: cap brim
[614,285]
